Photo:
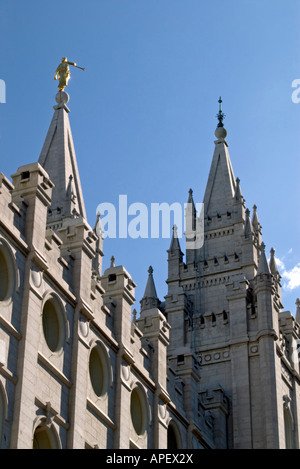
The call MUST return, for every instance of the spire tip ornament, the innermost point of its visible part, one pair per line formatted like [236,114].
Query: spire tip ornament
[220,132]
[62,73]
[220,114]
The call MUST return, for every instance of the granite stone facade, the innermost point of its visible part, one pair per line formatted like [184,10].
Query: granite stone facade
[212,365]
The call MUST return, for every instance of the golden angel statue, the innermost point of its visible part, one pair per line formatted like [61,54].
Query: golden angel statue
[63,73]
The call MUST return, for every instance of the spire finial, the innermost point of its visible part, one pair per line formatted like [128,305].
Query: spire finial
[220,114]
[150,270]
[220,132]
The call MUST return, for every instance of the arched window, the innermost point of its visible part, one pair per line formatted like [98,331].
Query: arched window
[173,437]
[44,438]
[288,428]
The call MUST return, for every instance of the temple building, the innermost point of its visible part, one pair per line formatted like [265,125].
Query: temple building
[213,364]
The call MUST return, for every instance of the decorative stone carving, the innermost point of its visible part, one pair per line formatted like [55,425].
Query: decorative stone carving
[84,327]
[36,276]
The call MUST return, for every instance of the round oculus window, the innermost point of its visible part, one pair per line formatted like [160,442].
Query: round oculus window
[52,325]
[137,411]
[98,371]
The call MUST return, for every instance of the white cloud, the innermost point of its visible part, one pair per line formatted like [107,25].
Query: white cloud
[291,277]
[280,265]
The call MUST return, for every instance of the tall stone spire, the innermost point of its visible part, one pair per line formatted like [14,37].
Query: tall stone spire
[59,160]
[273,264]
[255,221]
[263,267]
[221,185]
[190,232]
[248,225]
[192,209]
[150,299]
[175,245]
[238,196]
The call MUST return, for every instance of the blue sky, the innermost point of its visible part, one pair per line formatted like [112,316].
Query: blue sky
[143,112]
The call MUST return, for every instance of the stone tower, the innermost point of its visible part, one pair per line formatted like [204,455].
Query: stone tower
[224,306]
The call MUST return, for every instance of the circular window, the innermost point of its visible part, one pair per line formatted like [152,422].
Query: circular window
[137,411]
[52,325]
[98,371]
[6,274]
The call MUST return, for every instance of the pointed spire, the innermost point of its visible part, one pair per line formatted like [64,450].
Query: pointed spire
[298,311]
[190,227]
[175,246]
[263,267]
[256,225]
[59,160]
[272,264]
[248,226]
[221,185]
[191,210]
[238,191]
[150,291]
[255,221]
[150,299]
[190,199]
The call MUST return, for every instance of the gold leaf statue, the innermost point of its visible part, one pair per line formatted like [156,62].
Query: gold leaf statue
[63,73]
